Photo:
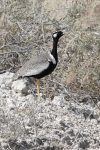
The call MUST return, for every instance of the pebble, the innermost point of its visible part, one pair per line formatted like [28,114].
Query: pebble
[10,105]
[56,100]
[59,119]
[6,79]
[4,96]
[93,121]
[3,86]
[20,86]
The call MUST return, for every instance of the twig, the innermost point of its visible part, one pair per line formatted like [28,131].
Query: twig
[14,42]
[43,31]
[65,88]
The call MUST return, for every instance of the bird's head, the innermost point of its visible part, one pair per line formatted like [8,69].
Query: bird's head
[57,34]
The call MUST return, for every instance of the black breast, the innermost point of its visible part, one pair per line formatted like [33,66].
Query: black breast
[46,72]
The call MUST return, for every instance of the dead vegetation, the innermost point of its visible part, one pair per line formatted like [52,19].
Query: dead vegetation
[25,30]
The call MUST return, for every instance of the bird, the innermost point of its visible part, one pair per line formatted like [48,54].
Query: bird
[41,65]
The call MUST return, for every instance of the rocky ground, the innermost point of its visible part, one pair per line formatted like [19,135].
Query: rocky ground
[68,121]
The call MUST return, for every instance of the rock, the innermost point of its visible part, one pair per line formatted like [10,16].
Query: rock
[84,98]
[84,144]
[59,119]
[98,121]
[75,146]
[3,142]
[29,97]
[4,96]
[67,140]
[99,104]
[20,86]
[93,121]
[39,141]
[89,113]
[3,86]
[71,132]
[46,144]
[10,105]
[6,79]
[62,123]
[58,100]
[94,116]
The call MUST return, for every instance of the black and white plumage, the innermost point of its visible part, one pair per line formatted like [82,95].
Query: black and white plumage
[43,64]
[35,67]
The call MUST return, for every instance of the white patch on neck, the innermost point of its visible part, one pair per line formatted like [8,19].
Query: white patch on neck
[52,59]
[55,35]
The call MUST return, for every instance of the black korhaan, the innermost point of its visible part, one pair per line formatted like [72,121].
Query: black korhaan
[41,65]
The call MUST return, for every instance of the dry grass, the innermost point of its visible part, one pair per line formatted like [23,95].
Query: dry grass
[25,30]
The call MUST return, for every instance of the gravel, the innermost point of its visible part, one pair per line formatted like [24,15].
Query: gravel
[58,124]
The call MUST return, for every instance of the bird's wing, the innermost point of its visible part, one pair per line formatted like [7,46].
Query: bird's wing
[36,69]
[34,66]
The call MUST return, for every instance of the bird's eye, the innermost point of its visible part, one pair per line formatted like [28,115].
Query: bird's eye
[55,35]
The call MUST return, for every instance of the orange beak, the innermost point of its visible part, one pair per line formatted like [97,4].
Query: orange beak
[64,33]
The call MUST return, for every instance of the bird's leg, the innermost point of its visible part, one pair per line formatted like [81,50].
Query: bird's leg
[38,87]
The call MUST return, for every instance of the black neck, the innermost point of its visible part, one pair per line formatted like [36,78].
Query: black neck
[54,50]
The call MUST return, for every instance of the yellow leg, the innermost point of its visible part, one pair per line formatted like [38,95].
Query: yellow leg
[38,87]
